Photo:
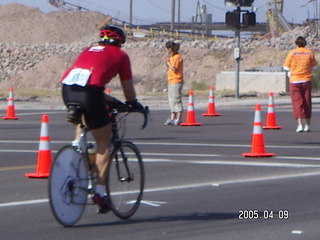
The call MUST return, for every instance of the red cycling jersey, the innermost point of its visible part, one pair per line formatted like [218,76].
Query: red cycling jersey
[104,62]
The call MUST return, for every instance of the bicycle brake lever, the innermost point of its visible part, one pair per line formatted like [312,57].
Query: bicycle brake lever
[146,112]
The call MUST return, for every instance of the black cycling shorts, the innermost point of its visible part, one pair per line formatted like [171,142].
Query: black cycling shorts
[92,101]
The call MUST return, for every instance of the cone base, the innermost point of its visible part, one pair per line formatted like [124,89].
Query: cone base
[211,114]
[272,127]
[10,118]
[190,124]
[37,175]
[258,154]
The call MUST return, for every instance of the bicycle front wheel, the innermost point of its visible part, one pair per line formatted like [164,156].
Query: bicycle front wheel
[125,179]
[68,186]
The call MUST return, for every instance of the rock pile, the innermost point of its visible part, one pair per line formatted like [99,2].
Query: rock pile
[285,42]
[41,45]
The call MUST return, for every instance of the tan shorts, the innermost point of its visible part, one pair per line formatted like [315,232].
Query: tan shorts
[174,97]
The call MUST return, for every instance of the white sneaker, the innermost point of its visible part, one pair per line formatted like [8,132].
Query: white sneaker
[169,122]
[299,128]
[306,128]
[75,143]
[176,122]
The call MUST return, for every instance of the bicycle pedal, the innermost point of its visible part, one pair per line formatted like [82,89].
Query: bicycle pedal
[122,179]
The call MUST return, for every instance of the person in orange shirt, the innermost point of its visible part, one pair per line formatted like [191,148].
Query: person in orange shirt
[175,82]
[299,63]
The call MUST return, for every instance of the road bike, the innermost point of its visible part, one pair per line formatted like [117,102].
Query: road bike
[73,178]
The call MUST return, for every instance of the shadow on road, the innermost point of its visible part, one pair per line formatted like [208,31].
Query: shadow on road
[186,217]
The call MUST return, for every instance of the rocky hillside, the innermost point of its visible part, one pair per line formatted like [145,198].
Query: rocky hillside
[36,48]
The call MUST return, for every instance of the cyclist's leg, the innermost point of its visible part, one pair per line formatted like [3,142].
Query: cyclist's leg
[102,136]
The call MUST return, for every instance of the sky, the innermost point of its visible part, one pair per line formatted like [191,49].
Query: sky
[150,11]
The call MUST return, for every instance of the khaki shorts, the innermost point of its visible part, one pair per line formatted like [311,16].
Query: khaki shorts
[174,97]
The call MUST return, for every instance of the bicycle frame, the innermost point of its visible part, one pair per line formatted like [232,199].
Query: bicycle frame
[82,148]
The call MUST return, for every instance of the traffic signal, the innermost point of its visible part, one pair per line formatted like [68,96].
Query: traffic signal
[240,3]
[249,19]
[233,18]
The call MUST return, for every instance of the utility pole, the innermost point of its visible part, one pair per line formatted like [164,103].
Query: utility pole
[130,12]
[179,10]
[173,4]
[237,56]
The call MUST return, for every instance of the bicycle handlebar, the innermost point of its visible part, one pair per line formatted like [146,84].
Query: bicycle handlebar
[119,107]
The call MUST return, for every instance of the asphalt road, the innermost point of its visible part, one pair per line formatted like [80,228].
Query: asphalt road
[198,184]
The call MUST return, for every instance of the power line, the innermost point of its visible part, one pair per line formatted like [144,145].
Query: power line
[156,6]
[219,8]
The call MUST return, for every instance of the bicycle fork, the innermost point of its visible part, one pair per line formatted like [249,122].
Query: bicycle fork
[127,172]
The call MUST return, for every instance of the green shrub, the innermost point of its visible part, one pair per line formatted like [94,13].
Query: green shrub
[200,86]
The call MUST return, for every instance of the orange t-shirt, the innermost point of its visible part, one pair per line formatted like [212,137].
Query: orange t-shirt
[300,62]
[176,62]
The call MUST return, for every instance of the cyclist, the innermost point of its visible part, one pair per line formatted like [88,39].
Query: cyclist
[84,84]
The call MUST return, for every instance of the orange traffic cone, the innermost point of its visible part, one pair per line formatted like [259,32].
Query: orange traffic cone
[191,115]
[108,91]
[44,153]
[211,106]
[271,122]
[257,146]
[11,115]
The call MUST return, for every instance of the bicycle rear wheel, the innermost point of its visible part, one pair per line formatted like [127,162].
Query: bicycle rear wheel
[125,179]
[68,186]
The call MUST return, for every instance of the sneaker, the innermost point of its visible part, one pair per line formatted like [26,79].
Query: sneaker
[102,202]
[299,128]
[306,128]
[176,122]
[75,143]
[169,122]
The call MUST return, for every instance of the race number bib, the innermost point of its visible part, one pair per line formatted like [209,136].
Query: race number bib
[77,76]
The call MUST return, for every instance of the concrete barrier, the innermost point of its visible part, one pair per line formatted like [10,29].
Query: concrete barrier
[260,82]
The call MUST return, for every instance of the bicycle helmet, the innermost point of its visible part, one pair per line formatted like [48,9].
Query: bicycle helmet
[110,34]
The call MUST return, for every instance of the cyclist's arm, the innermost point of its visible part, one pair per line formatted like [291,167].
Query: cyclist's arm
[128,90]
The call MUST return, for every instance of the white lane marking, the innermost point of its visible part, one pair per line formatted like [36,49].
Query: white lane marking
[187,186]
[149,203]
[234,163]
[221,145]
[20,203]
[168,154]
[220,155]
[299,158]
[296,232]
[180,144]
[205,162]
[256,164]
